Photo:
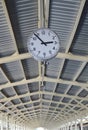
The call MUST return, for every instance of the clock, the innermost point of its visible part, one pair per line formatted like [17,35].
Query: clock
[43,44]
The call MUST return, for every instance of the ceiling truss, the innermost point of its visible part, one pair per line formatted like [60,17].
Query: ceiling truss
[47,112]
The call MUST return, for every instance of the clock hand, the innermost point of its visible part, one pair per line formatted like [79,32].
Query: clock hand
[40,39]
[48,42]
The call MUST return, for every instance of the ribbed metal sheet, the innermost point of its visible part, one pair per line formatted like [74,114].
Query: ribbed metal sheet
[35,97]
[77,108]
[73,90]
[70,69]
[36,103]
[73,102]
[49,86]
[16,101]
[1,96]
[21,89]
[13,70]
[61,106]
[53,67]
[27,106]
[47,97]
[23,111]
[30,105]
[56,98]
[84,102]
[80,42]
[45,103]
[21,107]
[30,68]
[25,99]
[83,93]
[51,108]
[53,104]
[9,104]
[66,100]
[84,75]
[8,92]
[61,88]
[6,41]
[33,87]
[3,80]
[24,18]
[62,19]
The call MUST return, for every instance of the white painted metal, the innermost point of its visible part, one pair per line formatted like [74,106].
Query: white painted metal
[4,104]
[47,6]
[71,126]
[41,18]
[24,81]
[69,56]
[43,13]
[75,125]
[81,124]
[1,122]
[47,93]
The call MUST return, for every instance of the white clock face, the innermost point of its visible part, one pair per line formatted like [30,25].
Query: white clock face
[43,44]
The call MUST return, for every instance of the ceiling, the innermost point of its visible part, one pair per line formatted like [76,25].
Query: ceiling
[64,95]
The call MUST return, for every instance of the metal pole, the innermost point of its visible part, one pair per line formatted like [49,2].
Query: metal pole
[75,125]
[81,124]
[1,123]
[71,126]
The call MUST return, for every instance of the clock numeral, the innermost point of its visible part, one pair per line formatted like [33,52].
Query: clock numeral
[31,50]
[44,54]
[34,38]
[54,48]
[53,37]
[32,43]
[50,52]
[38,52]
[34,49]
[49,33]
[55,42]
[43,32]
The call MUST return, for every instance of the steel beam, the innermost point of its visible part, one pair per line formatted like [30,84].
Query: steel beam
[23,56]
[47,79]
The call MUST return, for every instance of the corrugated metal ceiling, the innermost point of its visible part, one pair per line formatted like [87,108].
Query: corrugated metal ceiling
[65,91]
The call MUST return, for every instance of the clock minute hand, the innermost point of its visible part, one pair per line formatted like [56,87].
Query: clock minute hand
[40,39]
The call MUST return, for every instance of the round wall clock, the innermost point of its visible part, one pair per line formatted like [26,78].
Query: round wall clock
[44,44]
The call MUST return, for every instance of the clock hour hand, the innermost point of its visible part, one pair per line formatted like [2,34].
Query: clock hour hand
[48,42]
[42,42]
